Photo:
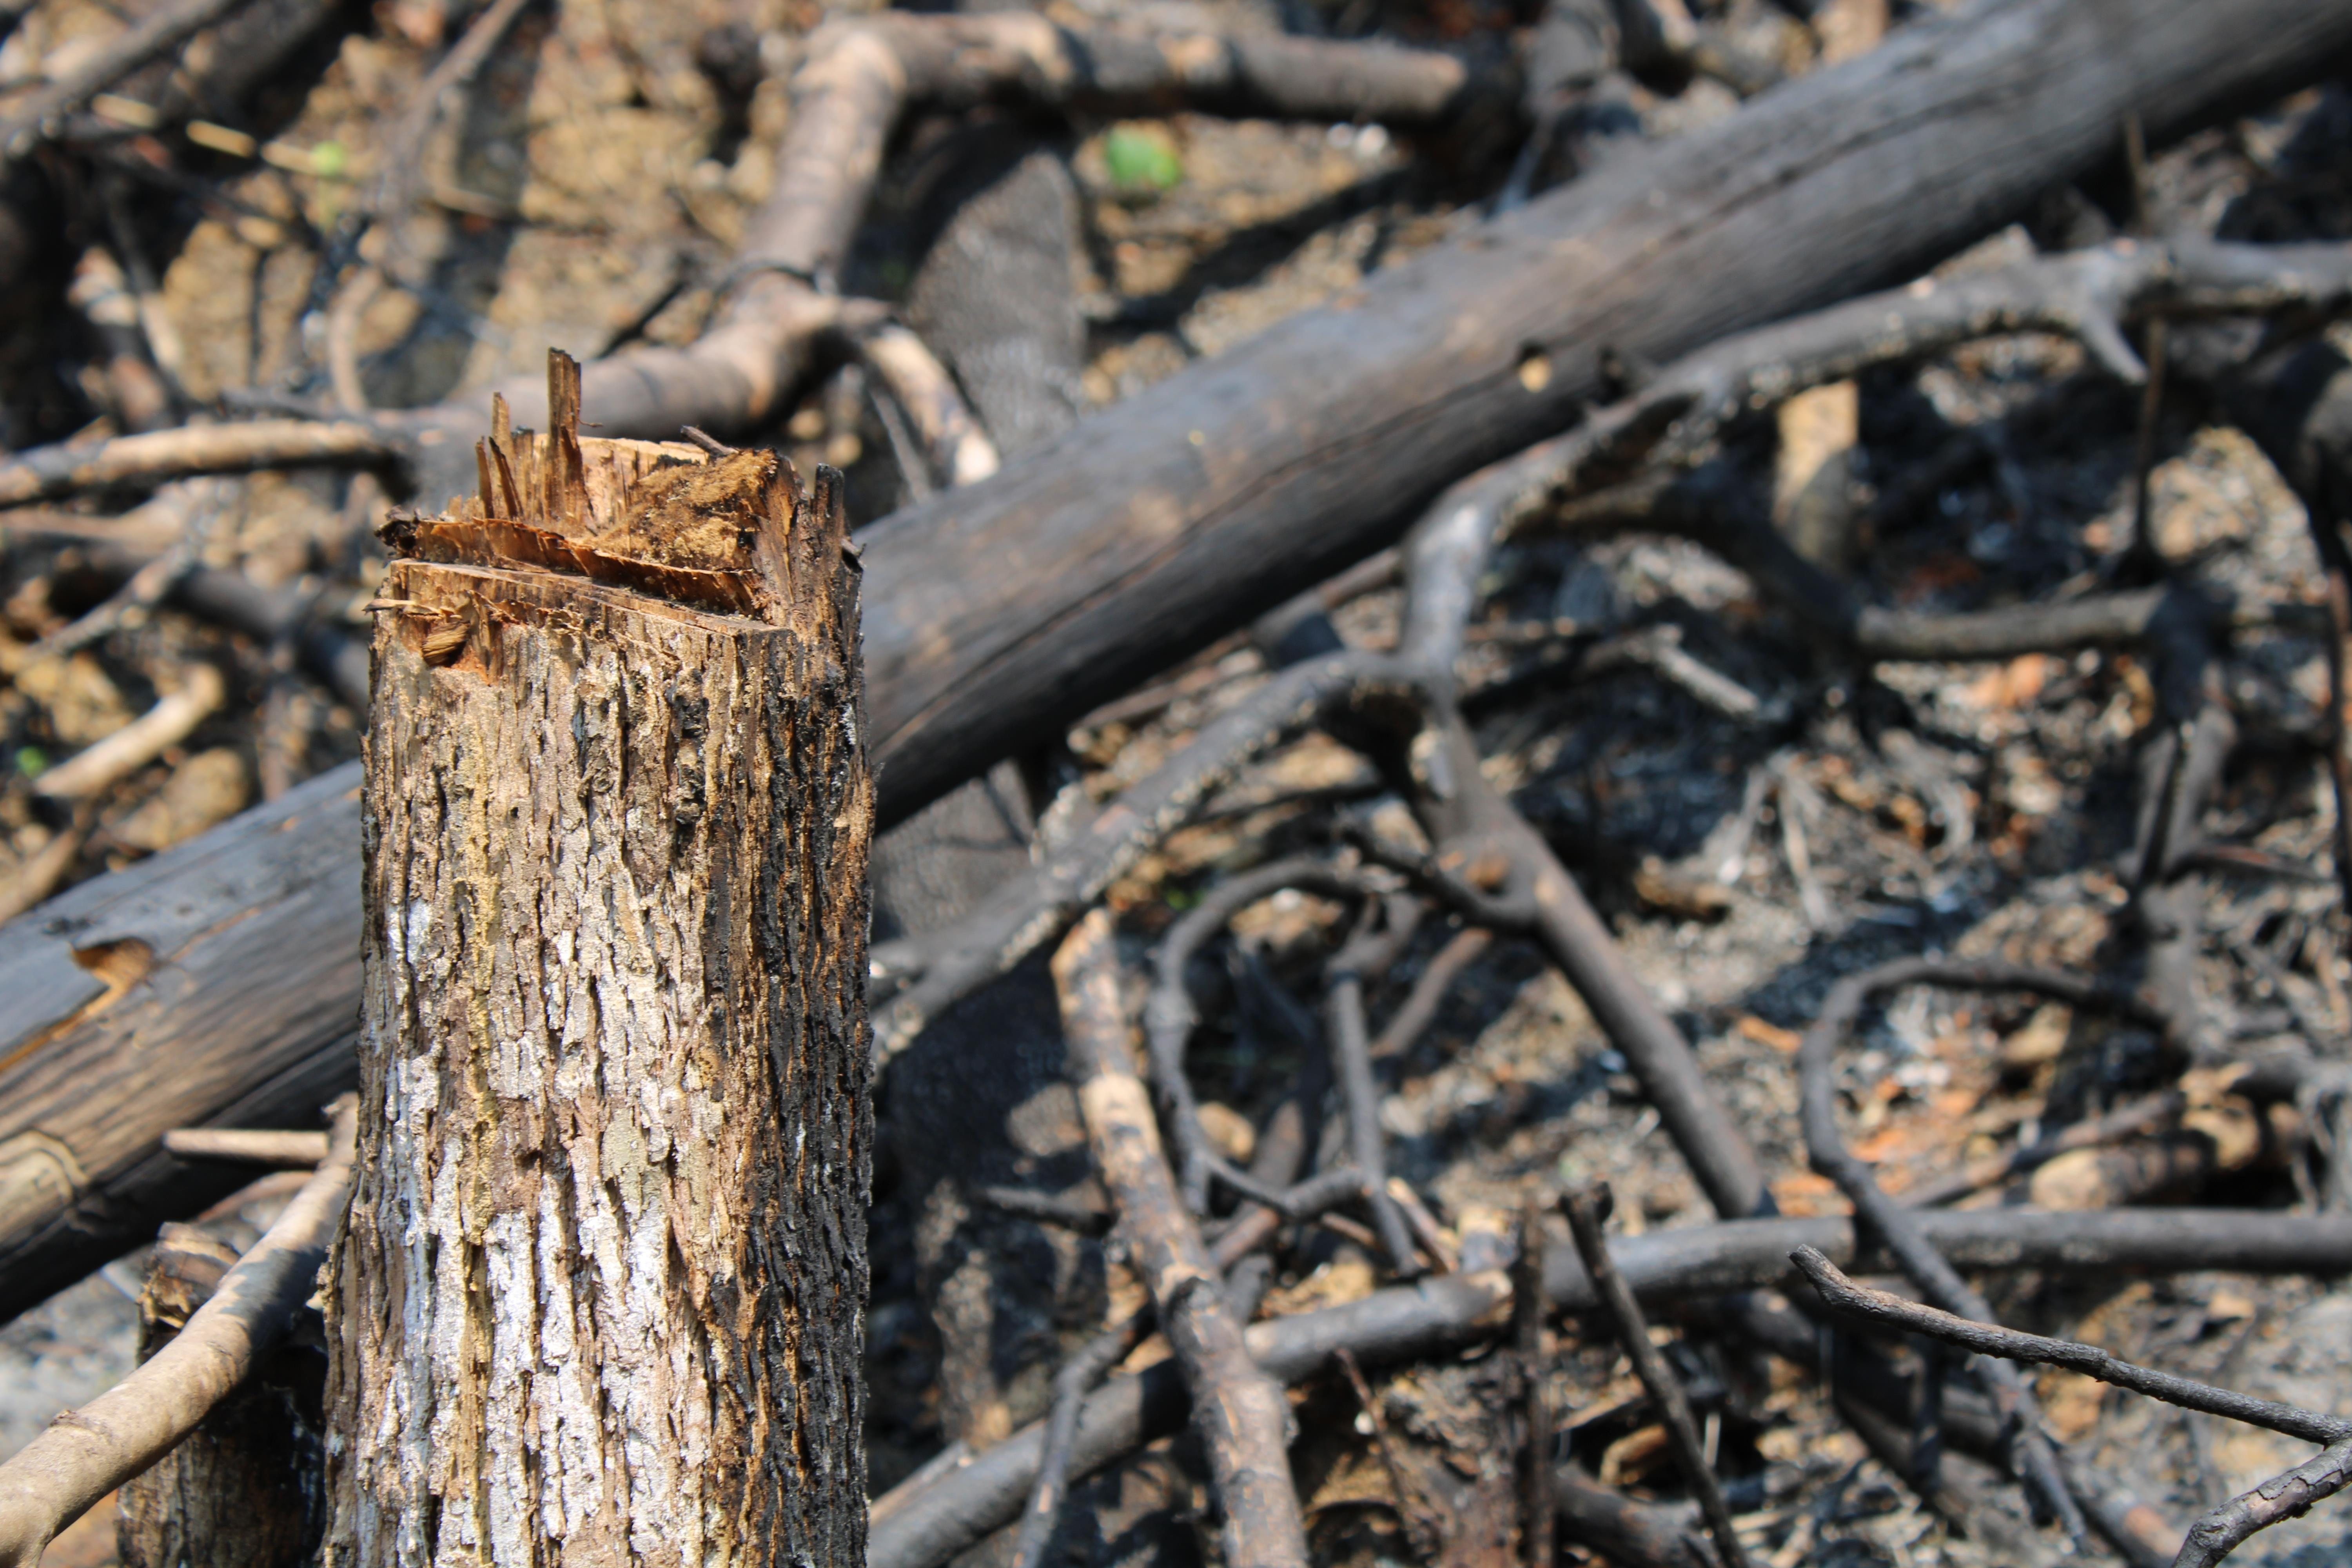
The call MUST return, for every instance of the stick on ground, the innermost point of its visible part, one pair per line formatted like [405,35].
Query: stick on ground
[1239,1412]
[1588,1211]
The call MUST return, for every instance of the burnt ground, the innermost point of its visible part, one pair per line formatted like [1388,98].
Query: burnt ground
[587,195]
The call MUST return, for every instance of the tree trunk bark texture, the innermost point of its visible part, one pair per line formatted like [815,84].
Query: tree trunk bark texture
[599,1299]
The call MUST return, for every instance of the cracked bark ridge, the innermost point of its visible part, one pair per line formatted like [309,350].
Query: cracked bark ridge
[599,1299]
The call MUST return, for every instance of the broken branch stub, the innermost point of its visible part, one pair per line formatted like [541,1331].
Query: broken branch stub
[600,1292]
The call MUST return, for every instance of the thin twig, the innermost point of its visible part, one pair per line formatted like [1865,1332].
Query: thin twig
[1530,1305]
[1076,1379]
[1425,1547]
[1992,1340]
[1358,1092]
[1587,1209]
[1419,1008]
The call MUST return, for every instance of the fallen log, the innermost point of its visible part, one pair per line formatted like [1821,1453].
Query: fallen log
[997,612]
[1010,608]
[217,983]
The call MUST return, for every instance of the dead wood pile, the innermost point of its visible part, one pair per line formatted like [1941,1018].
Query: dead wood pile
[1828,727]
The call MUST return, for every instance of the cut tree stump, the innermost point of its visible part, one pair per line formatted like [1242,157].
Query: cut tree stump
[599,1298]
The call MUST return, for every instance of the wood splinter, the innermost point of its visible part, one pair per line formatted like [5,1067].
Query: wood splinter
[599,1298]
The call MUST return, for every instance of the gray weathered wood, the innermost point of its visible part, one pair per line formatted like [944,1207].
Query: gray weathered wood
[217,983]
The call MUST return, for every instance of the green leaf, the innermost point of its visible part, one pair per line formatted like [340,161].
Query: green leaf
[330,159]
[1143,160]
[32,762]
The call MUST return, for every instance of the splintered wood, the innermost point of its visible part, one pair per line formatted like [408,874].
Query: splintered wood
[599,1299]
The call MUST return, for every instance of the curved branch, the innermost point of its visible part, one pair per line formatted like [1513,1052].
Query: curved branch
[1169,1017]
[1992,1340]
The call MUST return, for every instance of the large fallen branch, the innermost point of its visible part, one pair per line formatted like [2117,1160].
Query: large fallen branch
[217,983]
[1175,515]
[945,1513]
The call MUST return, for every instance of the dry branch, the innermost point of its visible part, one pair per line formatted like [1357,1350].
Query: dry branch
[292,1150]
[1588,1211]
[1531,1308]
[231,449]
[1071,1385]
[860,75]
[2283,1497]
[89,1452]
[174,717]
[1241,1415]
[1990,1339]
[236,948]
[2222,1530]
[926,1524]
[955,449]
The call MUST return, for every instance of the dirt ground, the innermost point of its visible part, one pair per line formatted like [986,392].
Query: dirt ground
[586,196]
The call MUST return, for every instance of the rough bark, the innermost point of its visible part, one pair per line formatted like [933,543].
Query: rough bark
[600,1296]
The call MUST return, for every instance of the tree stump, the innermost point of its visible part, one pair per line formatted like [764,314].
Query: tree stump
[599,1299]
